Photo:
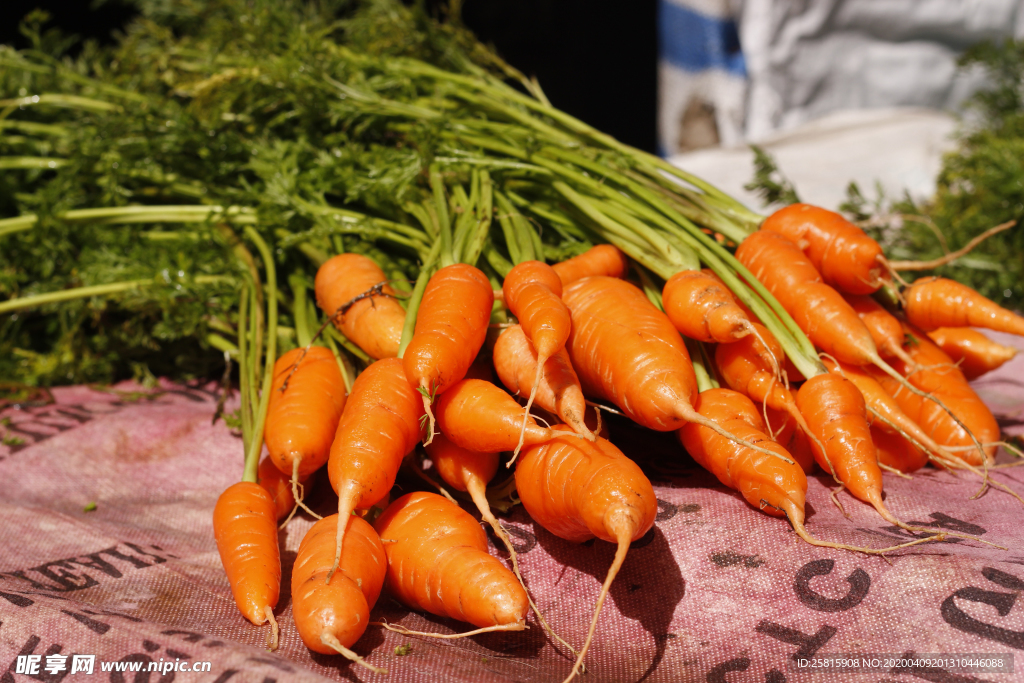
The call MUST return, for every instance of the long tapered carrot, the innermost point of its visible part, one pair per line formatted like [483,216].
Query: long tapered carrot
[354,291]
[451,325]
[559,391]
[332,614]
[934,302]
[533,293]
[626,351]
[438,562]
[380,426]
[306,402]
[481,417]
[975,353]
[602,259]
[701,307]
[845,256]
[578,490]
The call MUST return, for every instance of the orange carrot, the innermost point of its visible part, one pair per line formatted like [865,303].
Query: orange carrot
[578,490]
[976,353]
[332,614]
[480,417]
[355,288]
[303,415]
[438,562]
[626,351]
[897,452]
[886,331]
[934,302]
[558,392]
[451,325]
[703,308]
[278,486]
[845,256]
[379,427]
[602,259]
[533,294]
[245,527]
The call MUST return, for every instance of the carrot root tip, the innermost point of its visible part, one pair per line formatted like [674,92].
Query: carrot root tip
[333,643]
[274,638]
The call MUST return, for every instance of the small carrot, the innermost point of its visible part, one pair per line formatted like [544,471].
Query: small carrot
[974,352]
[332,615]
[438,562]
[533,294]
[578,490]
[480,417]
[451,325]
[601,259]
[701,307]
[559,391]
[885,329]
[379,427]
[354,288]
[278,485]
[896,452]
[845,256]
[245,527]
[306,403]
[934,302]
[626,351]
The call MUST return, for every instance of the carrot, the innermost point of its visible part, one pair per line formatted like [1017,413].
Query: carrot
[935,302]
[480,417]
[845,256]
[701,307]
[354,288]
[451,325]
[602,259]
[974,352]
[886,331]
[558,391]
[937,374]
[379,427]
[438,562]
[278,485]
[776,486]
[533,294]
[578,490]
[245,527]
[332,615]
[306,402]
[895,451]
[626,351]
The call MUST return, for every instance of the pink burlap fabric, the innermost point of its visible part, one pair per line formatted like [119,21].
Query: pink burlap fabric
[717,591]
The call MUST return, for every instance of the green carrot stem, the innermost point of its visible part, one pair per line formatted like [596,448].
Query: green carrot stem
[21,303]
[256,445]
[484,212]
[297,283]
[447,256]
[495,260]
[426,271]
[244,365]
[14,163]
[61,100]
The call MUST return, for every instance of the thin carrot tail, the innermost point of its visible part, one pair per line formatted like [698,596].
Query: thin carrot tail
[776,369]
[802,533]
[620,556]
[687,413]
[477,491]
[529,403]
[398,628]
[346,503]
[296,494]
[892,470]
[892,519]
[274,637]
[429,414]
[333,643]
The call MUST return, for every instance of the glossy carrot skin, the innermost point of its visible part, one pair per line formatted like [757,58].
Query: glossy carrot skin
[438,562]
[480,417]
[702,308]
[302,420]
[756,476]
[745,366]
[934,302]
[457,465]
[374,323]
[559,393]
[278,485]
[245,527]
[844,255]
[885,329]
[578,489]
[379,427]
[836,414]
[817,309]
[533,292]
[939,376]
[976,353]
[602,259]
[626,351]
[341,607]
[450,328]
[895,451]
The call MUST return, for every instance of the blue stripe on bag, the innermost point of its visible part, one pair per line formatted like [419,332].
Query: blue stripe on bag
[693,41]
